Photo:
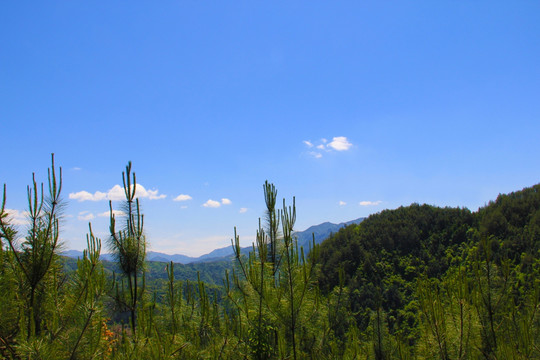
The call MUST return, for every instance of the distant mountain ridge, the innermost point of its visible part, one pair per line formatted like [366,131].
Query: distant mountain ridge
[321,233]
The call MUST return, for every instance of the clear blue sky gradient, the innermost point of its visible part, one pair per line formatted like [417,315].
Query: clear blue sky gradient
[439,101]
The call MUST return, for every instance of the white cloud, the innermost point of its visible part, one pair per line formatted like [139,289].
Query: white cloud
[226,201]
[370,203]
[342,203]
[116,193]
[212,204]
[243,210]
[85,216]
[108,213]
[182,197]
[77,168]
[141,192]
[86,196]
[340,143]
[151,194]
[17,217]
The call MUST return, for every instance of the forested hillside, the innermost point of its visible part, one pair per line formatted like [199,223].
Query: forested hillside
[387,262]
[418,282]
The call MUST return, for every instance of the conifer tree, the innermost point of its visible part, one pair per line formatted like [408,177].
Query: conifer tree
[36,256]
[272,222]
[279,301]
[128,246]
[52,315]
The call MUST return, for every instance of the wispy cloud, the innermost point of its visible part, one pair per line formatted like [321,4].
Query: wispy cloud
[342,203]
[370,203]
[243,210]
[108,213]
[338,143]
[182,197]
[212,204]
[116,193]
[85,216]
[226,201]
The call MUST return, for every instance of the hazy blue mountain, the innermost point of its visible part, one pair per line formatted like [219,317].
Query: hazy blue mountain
[221,253]
[72,254]
[321,232]
[176,258]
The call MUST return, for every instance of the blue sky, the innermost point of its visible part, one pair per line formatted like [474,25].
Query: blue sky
[352,107]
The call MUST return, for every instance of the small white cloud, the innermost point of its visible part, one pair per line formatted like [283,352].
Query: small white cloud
[86,196]
[76,168]
[340,143]
[182,197]
[141,192]
[116,193]
[342,203]
[17,217]
[108,213]
[85,216]
[243,210]
[153,195]
[226,201]
[212,204]
[370,203]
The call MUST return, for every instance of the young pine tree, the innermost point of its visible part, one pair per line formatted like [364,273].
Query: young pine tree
[276,293]
[128,246]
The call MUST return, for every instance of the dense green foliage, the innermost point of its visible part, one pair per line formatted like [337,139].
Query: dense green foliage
[418,282]
[429,261]
[383,257]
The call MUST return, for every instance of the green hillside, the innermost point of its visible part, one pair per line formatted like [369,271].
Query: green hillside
[385,260]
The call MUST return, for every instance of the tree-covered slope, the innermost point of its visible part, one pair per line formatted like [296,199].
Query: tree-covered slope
[414,239]
[514,219]
[384,257]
